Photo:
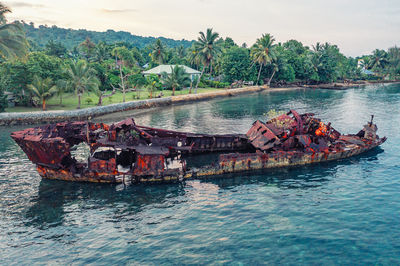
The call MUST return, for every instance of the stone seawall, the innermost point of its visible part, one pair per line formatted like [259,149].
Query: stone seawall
[25,118]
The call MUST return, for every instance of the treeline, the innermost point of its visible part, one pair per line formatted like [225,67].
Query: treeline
[104,67]
[41,35]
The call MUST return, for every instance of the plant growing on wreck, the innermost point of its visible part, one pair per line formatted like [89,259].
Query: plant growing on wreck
[43,89]
[273,113]
[279,123]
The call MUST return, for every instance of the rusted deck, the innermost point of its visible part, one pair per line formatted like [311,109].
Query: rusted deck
[126,151]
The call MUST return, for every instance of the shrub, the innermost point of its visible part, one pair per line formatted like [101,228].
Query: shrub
[89,101]
[202,85]
[214,84]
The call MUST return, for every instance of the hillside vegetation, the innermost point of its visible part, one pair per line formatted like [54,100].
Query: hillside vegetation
[41,35]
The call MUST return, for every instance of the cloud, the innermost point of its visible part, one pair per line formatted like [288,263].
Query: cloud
[27,5]
[46,21]
[35,20]
[117,11]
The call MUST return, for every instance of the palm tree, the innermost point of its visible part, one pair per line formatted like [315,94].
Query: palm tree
[209,47]
[101,52]
[125,55]
[62,86]
[176,80]
[3,10]
[262,53]
[43,89]
[12,37]
[193,57]
[158,53]
[379,60]
[81,77]
[181,51]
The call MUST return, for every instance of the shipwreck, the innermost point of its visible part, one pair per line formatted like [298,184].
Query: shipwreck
[125,151]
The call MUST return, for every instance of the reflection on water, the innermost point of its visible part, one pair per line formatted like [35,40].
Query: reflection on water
[48,208]
[333,213]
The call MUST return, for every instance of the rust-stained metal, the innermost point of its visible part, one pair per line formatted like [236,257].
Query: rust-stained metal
[127,151]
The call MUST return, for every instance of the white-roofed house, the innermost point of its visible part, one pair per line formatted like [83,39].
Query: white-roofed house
[158,70]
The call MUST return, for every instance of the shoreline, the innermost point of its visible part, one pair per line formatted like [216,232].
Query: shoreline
[40,117]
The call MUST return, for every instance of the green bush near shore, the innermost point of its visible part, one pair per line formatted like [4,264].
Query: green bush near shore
[70,100]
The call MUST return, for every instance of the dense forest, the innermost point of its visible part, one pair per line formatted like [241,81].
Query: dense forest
[41,35]
[37,64]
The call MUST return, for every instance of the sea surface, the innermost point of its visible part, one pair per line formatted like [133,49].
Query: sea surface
[337,213]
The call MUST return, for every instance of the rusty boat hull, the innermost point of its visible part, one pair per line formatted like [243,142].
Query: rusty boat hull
[126,152]
[229,164]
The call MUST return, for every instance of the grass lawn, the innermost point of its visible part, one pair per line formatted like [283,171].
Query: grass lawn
[70,100]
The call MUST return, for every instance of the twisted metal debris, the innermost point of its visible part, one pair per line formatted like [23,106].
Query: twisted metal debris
[126,151]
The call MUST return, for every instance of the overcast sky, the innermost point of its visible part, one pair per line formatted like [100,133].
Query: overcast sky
[356,26]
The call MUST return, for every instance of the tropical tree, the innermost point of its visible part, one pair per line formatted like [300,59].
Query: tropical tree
[193,57]
[124,55]
[262,52]
[126,59]
[138,80]
[3,11]
[62,86]
[379,60]
[81,78]
[102,94]
[298,57]
[12,37]
[180,51]
[236,65]
[151,86]
[208,47]
[88,48]
[137,56]
[159,52]
[176,80]
[55,49]
[102,52]
[326,61]
[43,89]
[394,61]
[229,43]
[280,66]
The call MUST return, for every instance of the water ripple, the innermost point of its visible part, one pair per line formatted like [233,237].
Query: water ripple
[344,212]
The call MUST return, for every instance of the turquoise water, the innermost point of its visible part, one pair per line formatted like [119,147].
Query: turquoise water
[345,212]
